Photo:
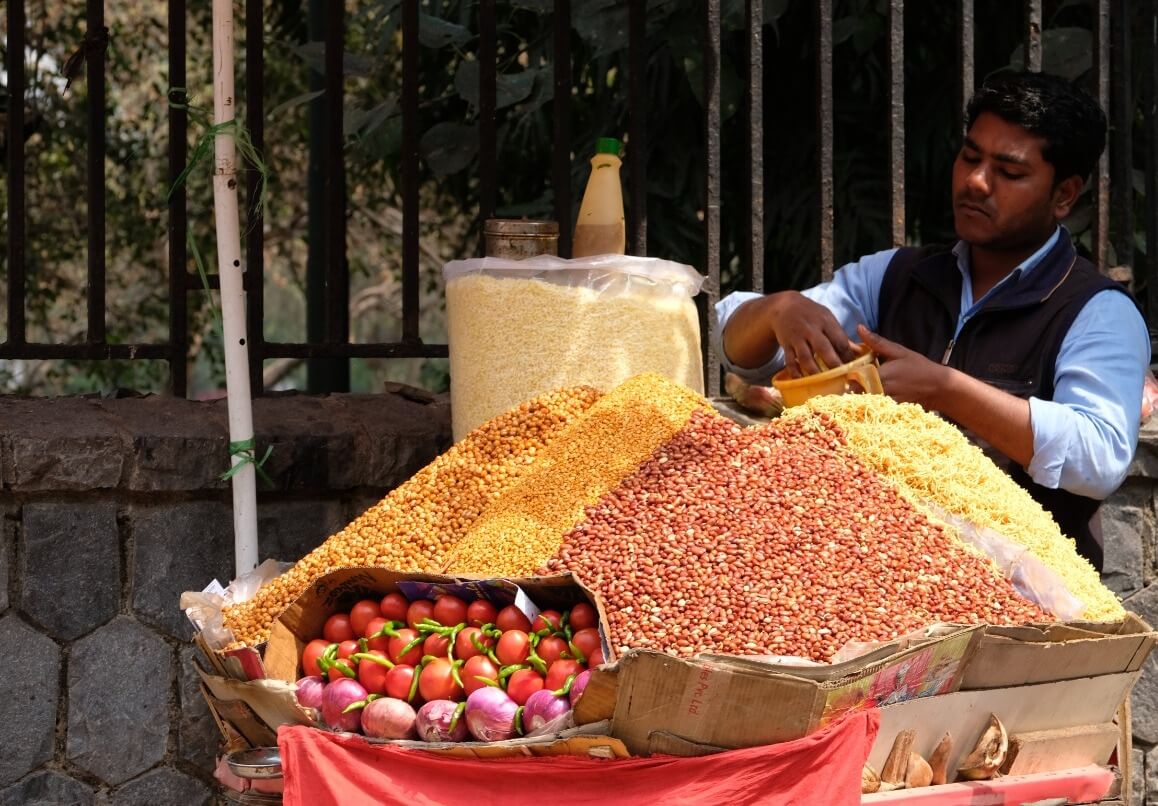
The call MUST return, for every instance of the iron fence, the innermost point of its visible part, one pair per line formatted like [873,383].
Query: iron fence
[328,347]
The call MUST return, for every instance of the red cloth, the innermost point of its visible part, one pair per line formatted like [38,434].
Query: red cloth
[322,768]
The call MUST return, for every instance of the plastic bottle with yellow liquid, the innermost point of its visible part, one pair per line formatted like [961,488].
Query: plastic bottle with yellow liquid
[600,229]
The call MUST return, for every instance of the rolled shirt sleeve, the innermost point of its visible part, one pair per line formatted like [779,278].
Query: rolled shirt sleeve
[1084,439]
[851,295]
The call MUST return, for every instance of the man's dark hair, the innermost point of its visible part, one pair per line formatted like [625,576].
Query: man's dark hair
[1070,121]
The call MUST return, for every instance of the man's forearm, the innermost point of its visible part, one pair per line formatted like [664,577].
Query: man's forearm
[999,418]
[749,340]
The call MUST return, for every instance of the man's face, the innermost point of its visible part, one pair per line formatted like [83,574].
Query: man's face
[1003,194]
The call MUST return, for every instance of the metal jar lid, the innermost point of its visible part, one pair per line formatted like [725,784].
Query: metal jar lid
[520,238]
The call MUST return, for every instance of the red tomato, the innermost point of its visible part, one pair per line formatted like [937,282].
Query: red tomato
[436,645]
[337,628]
[397,644]
[348,648]
[362,613]
[419,609]
[595,658]
[393,606]
[560,670]
[476,667]
[480,612]
[464,647]
[336,672]
[449,611]
[522,684]
[513,647]
[551,648]
[398,682]
[511,618]
[436,681]
[583,616]
[372,675]
[546,620]
[314,650]
[587,641]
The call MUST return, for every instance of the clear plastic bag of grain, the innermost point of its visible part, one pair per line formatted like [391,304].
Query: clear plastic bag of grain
[519,328]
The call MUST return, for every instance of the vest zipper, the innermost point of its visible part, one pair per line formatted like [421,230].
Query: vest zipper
[948,351]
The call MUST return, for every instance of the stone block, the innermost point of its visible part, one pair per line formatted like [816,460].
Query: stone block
[30,675]
[178,547]
[162,786]
[119,679]
[7,547]
[1144,699]
[47,789]
[1127,521]
[1151,796]
[59,444]
[1137,776]
[288,530]
[70,566]
[401,433]
[198,737]
[174,444]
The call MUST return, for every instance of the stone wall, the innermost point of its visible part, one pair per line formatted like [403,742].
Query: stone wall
[111,508]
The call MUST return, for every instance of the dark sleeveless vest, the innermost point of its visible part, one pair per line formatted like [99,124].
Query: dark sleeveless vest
[1012,343]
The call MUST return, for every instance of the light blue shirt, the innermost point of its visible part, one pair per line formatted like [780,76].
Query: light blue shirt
[1083,439]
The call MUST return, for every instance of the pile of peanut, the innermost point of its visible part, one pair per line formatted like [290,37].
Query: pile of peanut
[772,540]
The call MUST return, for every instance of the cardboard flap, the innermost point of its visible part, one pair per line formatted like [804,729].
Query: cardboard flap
[661,741]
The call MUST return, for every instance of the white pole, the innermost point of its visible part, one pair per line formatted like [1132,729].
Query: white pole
[231,271]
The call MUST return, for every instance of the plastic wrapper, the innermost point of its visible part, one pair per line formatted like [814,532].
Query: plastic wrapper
[204,608]
[521,328]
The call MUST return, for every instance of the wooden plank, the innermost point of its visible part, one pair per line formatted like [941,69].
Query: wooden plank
[1060,748]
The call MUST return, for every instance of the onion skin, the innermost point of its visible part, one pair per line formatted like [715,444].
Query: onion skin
[434,719]
[490,715]
[339,694]
[388,718]
[310,690]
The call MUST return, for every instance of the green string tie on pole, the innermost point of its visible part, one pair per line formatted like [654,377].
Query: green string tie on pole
[246,450]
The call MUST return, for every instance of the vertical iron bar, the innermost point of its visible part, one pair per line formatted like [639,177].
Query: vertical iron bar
[561,111]
[95,77]
[1032,44]
[637,148]
[965,63]
[410,281]
[824,127]
[897,118]
[178,221]
[712,190]
[316,368]
[1101,178]
[17,224]
[337,270]
[754,246]
[254,237]
[487,121]
[1150,111]
[1121,150]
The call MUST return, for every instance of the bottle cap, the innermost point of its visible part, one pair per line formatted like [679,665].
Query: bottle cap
[608,145]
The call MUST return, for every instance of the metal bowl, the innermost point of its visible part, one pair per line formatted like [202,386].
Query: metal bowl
[257,762]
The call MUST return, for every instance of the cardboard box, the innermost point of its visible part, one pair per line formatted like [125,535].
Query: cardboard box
[1040,653]
[252,694]
[696,706]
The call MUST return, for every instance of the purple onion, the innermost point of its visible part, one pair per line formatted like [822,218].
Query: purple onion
[388,718]
[434,722]
[578,685]
[338,695]
[309,691]
[490,714]
[542,708]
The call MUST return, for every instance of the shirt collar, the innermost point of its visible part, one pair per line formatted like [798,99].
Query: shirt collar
[961,250]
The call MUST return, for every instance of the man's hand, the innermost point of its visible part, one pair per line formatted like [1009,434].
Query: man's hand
[907,376]
[805,329]
[999,418]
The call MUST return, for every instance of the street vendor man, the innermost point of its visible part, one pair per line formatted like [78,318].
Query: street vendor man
[1008,333]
